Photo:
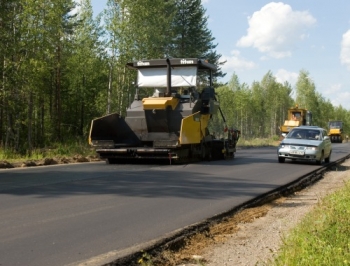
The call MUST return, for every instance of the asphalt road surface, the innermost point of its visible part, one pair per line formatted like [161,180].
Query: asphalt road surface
[94,212]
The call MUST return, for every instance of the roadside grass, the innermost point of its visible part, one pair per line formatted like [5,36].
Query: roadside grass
[82,148]
[258,142]
[323,236]
[56,150]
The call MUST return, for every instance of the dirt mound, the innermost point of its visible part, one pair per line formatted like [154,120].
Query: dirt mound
[48,161]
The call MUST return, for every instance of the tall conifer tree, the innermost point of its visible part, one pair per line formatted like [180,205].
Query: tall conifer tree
[192,36]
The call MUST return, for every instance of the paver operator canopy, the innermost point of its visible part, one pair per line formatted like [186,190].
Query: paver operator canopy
[170,73]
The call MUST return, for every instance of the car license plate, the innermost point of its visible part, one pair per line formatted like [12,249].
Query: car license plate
[297,152]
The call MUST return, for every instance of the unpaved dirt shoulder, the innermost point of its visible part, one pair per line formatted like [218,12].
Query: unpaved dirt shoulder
[257,242]
[48,161]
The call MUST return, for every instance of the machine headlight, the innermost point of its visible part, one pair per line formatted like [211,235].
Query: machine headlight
[312,148]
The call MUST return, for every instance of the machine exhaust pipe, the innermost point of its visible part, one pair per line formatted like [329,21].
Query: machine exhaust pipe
[168,88]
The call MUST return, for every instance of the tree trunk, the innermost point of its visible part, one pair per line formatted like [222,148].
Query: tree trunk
[2,104]
[30,121]
[82,110]
[109,89]
[58,94]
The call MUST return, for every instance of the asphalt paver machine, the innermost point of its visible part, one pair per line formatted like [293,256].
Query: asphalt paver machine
[171,124]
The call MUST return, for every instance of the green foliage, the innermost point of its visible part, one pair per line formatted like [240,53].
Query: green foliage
[61,69]
[323,237]
[50,80]
[257,111]
[145,260]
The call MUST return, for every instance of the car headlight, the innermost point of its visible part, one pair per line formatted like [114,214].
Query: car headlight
[312,148]
[284,146]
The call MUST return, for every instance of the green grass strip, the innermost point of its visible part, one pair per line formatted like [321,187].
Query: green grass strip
[323,236]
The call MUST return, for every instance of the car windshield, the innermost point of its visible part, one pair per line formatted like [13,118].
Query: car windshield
[304,134]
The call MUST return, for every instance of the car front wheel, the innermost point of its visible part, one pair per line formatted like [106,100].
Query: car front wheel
[319,162]
[281,159]
[328,159]
[111,161]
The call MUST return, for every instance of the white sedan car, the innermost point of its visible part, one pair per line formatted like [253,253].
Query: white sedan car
[307,143]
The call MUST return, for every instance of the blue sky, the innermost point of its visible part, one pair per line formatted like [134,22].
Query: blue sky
[257,36]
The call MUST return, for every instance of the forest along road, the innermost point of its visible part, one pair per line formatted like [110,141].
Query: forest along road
[94,212]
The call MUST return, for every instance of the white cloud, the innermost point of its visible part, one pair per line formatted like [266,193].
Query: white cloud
[333,89]
[337,95]
[342,99]
[345,50]
[264,58]
[275,29]
[283,75]
[236,62]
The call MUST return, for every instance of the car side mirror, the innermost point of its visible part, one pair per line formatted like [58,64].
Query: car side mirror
[326,137]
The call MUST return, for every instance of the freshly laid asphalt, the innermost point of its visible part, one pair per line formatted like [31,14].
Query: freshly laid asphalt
[93,212]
